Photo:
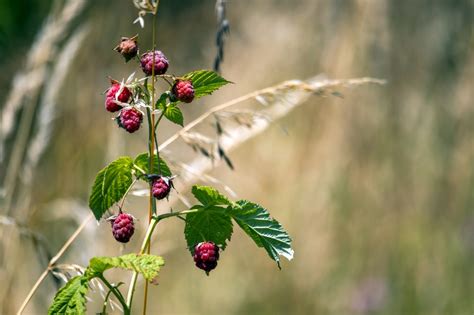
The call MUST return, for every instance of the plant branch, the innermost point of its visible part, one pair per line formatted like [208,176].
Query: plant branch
[117,293]
[143,248]
[106,300]
[152,139]
[126,193]
[146,245]
[156,140]
[139,169]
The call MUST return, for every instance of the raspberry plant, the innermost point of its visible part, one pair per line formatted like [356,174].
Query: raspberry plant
[208,224]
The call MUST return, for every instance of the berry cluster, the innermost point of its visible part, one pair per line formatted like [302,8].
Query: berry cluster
[161,187]
[156,58]
[115,95]
[123,98]
[206,255]
[129,119]
[183,91]
[122,227]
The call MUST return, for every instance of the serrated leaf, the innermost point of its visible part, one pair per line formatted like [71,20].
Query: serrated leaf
[208,224]
[205,82]
[161,102]
[71,299]
[147,265]
[210,196]
[264,230]
[110,185]
[142,162]
[174,114]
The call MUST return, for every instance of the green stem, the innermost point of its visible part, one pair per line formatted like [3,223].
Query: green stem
[118,295]
[126,194]
[138,168]
[175,214]
[106,300]
[156,142]
[151,227]
[104,308]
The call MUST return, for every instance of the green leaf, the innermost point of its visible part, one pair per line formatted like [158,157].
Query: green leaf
[161,102]
[205,82]
[174,114]
[147,265]
[142,162]
[208,224]
[71,299]
[264,230]
[171,111]
[110,185]
[210,196]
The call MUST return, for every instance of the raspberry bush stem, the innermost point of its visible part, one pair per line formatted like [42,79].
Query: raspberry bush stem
[155,127]
[146,242]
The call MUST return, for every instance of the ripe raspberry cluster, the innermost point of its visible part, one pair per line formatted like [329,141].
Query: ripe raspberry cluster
[112,96]
[206,255]
[130,119]
[118,97]
[183,90]
[161,187]
[160,62]
[122,227]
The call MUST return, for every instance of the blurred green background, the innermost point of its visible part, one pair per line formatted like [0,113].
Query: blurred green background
[376,188]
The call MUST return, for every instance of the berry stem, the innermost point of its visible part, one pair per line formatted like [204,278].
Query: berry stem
[117,293]
[138,168]
[106,300]
[146,242]
[126,193]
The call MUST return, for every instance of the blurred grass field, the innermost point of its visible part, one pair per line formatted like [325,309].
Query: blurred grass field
[375,187]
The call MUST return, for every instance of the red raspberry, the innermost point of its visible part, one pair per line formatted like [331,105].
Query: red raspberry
[206,255]
[130,119]
[183,90]
[110,102]
[161,63]
[128,47]
[122,227]
[161,187]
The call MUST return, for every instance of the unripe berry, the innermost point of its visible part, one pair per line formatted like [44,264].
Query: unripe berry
[110,100]
[206,255]
[123,227]
[128,47]
[183,90]
[130,119]
[160,63]
[161,187]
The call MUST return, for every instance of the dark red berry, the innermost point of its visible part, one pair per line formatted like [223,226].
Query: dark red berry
[128,47]
[130,119]
[206,255]
[183,90]
[110,99]
[123,227]
[161,187]
[161,63]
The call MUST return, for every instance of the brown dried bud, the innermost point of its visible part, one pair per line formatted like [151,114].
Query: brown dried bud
[128,47]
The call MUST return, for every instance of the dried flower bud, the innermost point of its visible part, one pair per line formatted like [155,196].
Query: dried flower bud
[128,47]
